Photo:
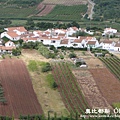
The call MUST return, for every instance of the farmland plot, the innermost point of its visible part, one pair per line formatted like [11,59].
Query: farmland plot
[18,90]
[90,89]
[107,83]
[71,94]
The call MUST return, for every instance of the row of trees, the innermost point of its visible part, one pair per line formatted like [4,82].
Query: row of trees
[30,24]
[5,22]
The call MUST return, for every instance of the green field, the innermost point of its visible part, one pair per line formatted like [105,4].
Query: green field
[67,13]
[16,13]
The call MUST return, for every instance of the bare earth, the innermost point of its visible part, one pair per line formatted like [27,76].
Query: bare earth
[49,99]
[90,89]
[108,84]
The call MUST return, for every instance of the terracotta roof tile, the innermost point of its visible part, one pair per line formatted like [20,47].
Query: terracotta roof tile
[91,42]
[64,41]
[12,34]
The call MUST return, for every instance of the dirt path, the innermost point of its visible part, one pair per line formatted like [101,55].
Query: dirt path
[90,9]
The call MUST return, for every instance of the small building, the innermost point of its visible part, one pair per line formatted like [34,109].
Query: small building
[117,47]
[107,44]
[92,44]
[9,44]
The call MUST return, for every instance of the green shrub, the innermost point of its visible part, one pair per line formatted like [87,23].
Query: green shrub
[32,66]
[54,85]
[46,67]
[72,55]
[16,52]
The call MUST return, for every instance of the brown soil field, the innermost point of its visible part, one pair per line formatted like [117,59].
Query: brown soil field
[18,90]
[90,89]
[46,10]
[107,83]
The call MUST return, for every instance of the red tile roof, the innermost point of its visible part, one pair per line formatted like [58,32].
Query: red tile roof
[12,34]
[21,29]
[91,42]
[64,41]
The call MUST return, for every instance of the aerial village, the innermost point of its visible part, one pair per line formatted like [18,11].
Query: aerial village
[58,38]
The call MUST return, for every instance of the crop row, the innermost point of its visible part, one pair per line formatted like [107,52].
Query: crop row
[67,12]
[113,64]
[67,85]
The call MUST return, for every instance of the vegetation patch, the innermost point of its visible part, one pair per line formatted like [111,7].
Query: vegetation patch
[116,105]
[51,81]
[35,65]
[2,97]
[106,9]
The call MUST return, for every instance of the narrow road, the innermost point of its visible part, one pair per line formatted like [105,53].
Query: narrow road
[91,4]
[90,11]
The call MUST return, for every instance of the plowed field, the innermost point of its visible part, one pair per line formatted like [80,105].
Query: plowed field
[18,90]
[108,84]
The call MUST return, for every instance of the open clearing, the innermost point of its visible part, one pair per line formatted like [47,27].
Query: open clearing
[49,99]
[18,90]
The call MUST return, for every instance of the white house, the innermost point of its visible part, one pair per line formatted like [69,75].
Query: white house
[11,35]
[92,44]
[50,41]
[90,32]
[18,30]
[79,42]
[9,44]
[117,47]
[71,31]
[109,31]
[107,44]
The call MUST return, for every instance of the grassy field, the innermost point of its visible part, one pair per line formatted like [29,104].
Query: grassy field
[16,13]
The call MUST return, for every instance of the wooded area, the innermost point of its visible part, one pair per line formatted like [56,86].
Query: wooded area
[106,9]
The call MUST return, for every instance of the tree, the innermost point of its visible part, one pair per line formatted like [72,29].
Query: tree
[20,41]
[7,22]
[30,24]
[54,85]
[16,52]
[73,24]
[86,16]
[46,67]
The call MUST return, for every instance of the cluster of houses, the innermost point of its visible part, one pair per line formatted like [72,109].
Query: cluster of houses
[57,38]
